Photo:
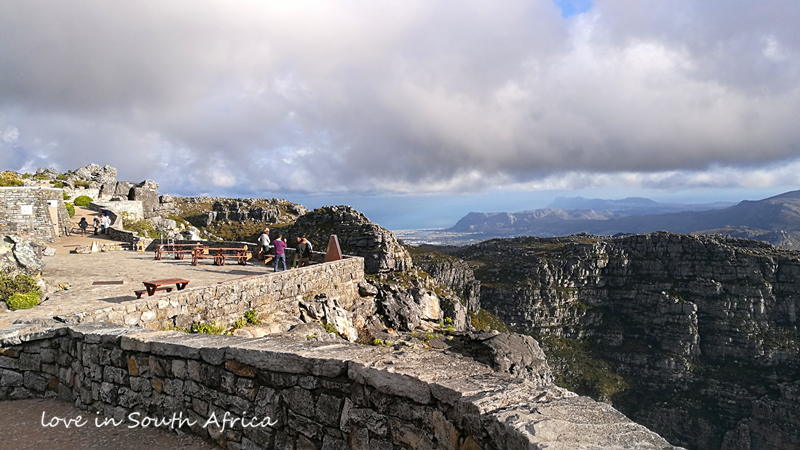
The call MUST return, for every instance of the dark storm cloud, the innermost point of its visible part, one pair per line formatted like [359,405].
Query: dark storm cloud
[402,96]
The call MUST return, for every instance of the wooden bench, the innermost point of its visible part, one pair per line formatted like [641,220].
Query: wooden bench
[139,292]
[219,254]
[161,285]
[177,250]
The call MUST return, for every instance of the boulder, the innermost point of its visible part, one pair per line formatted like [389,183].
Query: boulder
[94,172]
[399,310]
[357,236]
[108,189]
[122,189]
[17,256]
[367,290]
[49,171]
[191,234]
[327,310]
[512,353]
[147,193]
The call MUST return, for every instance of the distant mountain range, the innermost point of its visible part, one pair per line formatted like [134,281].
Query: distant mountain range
[631,205]
[775,219]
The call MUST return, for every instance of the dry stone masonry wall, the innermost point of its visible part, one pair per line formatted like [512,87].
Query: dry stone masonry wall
[308,395]
[225,303]
[25,212]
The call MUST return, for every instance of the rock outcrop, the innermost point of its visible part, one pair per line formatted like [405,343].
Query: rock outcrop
[512,353]
[17,256]
[410,300]
[205,211]
[357,236]
[695,337]
[452,272]
[96,173]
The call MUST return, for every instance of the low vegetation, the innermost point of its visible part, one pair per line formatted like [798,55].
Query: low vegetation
[484,320]
[575,368]
[22,301]
[143,228]
[10,179]
[19,292]
[251,316]
[82,201]
[70,209]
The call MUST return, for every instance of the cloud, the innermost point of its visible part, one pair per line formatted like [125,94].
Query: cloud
[418,96]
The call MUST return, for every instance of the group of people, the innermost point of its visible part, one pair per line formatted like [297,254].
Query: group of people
[101,223]
[303,250]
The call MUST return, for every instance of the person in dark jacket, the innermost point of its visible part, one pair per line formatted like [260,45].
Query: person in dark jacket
[83,224]
[303,256]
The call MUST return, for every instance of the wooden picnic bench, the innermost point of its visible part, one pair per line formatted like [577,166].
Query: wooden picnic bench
[220,253]
[161,285]
[177,250]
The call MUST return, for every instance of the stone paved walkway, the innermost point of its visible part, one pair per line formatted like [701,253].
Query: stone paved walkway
[22,430]
[79,272]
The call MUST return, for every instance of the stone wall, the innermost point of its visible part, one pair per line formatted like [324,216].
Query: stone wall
[133,208]
[225,303]
[312,395]
[24,212]
[93,193]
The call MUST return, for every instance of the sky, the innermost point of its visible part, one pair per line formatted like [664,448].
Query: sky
[416,112]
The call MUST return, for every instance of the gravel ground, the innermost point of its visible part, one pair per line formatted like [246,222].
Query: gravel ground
[22,430]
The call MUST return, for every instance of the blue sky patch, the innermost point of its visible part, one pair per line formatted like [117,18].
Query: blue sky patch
[573,7]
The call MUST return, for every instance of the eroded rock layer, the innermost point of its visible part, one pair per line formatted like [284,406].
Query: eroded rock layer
[695,337]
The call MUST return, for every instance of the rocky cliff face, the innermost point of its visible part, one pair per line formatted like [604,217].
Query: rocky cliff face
[357,236]
[695,337]
[450,271]
[204,211]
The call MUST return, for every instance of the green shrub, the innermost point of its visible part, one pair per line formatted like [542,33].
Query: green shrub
[24,285]
[251,316]
[239,323]
[22,301]
[41,176]
[25,176]
[83,201]
[57,184]
[207,328]
[70,209]
[66,196]
[61,177]
[83,184]
[143,228]
[329,327]
[10,179]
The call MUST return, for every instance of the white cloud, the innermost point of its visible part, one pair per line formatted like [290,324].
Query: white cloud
[411,96]
[10,134]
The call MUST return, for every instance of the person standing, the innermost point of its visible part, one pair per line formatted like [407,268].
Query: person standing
[280,251]
[264,244]
[303,256]
[82,225]
[96,222]
[105,224]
